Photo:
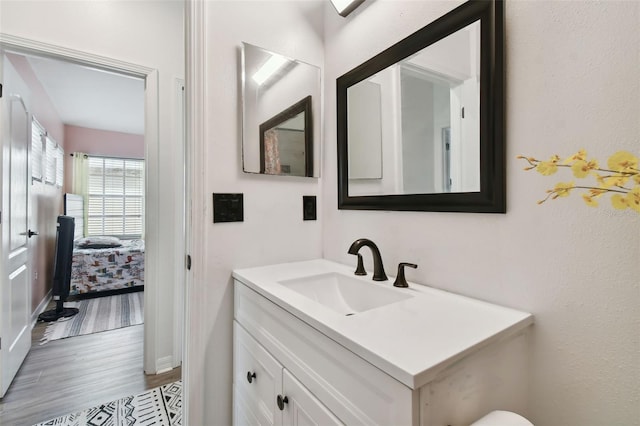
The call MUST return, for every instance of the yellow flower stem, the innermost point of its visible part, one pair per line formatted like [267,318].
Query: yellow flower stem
[605,170]
[621,191]
[534,162]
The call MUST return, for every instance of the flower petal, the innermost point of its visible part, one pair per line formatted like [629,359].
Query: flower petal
[546,168]
[589,200]
[619,202]
[622,161]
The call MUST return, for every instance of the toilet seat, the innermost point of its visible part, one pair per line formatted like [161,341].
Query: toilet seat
[502,418]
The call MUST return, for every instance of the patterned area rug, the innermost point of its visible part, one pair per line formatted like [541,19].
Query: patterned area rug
[96,315]
[160,406]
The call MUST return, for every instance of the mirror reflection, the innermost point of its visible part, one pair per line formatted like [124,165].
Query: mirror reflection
[281,104]
[285,142]
[421,125]
[414,127]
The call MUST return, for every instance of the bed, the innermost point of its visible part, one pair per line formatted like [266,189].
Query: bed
[102,265]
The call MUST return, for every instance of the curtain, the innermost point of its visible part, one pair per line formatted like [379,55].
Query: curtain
[80,181]
[271,153]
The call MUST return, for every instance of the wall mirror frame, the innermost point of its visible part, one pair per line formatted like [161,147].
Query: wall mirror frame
[300,111]
[491,195]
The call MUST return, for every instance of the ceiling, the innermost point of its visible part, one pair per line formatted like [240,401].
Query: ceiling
[92,98]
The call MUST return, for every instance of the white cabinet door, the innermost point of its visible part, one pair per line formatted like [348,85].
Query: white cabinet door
[301,407]
[257,378]
[243,413]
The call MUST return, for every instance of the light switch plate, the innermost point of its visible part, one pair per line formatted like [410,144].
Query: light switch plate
[228,207]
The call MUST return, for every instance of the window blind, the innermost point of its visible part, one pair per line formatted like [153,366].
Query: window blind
[50,161]
[116,197]
[59,166]
[37,139]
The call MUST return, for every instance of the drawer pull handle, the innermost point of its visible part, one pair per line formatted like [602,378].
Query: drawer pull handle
[250,376]
[281,400]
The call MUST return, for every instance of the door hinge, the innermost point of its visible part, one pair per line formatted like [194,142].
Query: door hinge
[188,262]
[0,343]
[0,90]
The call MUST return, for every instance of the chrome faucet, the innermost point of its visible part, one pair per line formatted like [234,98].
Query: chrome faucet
[378,268]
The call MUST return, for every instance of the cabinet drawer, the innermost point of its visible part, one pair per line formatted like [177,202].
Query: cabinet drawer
[257,377]
[350,387]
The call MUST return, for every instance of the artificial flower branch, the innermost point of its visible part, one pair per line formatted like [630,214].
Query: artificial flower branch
[622,169]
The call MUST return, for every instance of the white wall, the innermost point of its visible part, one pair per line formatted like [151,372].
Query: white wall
[145,33]
[572,82]
[273,230]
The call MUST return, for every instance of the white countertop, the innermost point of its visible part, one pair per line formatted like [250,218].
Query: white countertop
[411,340]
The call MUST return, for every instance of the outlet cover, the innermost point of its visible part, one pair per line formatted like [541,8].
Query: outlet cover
[308,207]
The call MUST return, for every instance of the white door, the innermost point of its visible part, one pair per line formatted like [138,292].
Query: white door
[15,285]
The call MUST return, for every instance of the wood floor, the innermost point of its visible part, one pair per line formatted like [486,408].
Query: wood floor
[69,375]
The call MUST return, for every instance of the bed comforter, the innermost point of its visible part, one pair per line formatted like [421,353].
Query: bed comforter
[95,270]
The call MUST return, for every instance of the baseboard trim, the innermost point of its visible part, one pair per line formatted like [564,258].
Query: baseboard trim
[40,309]
[164,364]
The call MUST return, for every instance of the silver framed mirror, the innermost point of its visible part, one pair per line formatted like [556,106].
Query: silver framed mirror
[280,114]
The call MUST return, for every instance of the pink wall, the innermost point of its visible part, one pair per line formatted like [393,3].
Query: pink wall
[99,142]
[46,200]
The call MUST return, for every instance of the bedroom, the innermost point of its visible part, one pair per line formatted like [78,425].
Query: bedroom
[95,162]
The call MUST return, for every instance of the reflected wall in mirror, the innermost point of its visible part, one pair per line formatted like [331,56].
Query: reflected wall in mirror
[279,126]
[420,126]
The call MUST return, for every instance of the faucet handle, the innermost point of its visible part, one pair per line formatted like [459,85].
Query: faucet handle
[401,281]
[360,267]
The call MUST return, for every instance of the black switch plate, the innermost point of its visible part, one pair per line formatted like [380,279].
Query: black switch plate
[308,207]
[227,208]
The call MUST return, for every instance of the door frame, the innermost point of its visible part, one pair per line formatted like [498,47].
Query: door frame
[152,182]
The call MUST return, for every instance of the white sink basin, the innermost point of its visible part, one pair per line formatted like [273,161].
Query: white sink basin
[344,294]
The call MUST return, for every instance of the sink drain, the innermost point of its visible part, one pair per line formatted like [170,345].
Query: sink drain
[348,315]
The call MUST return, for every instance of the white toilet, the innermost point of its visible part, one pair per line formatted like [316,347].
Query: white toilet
[502,418]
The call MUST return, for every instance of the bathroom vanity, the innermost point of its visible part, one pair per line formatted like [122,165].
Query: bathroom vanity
[314,344]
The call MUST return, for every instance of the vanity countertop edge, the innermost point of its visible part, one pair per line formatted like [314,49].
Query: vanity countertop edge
[402,339]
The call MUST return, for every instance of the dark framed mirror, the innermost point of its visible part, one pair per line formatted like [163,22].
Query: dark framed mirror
[421,125]
[286,141]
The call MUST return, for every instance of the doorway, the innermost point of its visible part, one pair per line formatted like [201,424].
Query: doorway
[156,357]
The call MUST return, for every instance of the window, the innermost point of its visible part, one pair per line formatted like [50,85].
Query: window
[50,161]
[116,197]
[37,139]
[47,157]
